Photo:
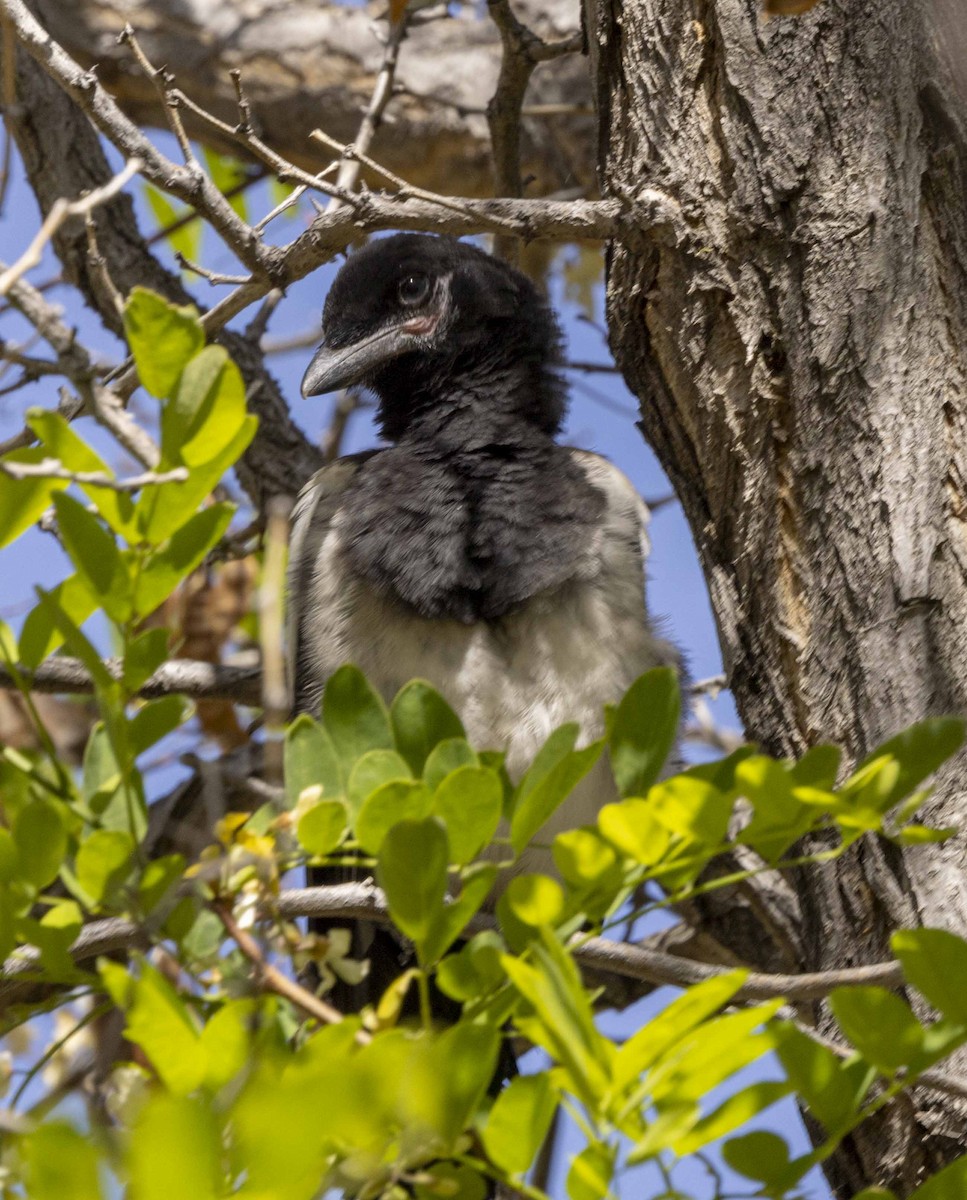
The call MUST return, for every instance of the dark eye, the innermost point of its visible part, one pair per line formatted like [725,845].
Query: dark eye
[413,290]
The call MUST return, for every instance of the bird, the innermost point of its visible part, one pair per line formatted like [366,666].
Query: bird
[472,549]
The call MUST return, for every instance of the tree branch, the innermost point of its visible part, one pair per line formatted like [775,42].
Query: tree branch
[185,677]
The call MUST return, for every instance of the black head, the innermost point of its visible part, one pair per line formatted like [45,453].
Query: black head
[440,331]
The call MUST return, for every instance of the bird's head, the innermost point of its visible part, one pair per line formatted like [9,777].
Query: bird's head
[440,331]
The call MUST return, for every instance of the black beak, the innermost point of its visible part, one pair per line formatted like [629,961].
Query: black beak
[334,367]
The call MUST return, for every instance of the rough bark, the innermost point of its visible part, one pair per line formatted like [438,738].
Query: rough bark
[306,64]
[801,367]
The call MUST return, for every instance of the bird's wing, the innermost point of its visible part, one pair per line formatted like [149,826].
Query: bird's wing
[314,511]
[626,515]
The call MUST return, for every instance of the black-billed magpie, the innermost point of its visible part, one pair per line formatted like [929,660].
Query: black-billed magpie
[473,551]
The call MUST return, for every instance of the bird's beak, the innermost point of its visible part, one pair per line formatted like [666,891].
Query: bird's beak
[338,367]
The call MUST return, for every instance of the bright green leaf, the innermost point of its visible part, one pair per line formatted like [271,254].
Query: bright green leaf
[390,803]
[519,1122]
[354,716]
[412,871]
[163,338]
[644,729]
[422,719]
[310,760]
[322,826]
[95,555]
[469,802]
[935,962]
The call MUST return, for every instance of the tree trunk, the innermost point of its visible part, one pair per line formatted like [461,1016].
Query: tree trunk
[800,361]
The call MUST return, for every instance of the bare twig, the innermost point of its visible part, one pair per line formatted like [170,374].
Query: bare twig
[382,94]
[215,278]
[162,81]
[60,211]
[273,979]
[52,468]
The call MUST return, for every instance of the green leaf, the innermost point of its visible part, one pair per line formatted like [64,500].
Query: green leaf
[469,801]
[9,856]
[452,918]
[447,756]
[155,720]
[644,729]
[41,635]
[61,1164]
[935,962]
[354,716]
[735,1112]
[101,773]
[582,856]
[370,772]
[22,501]
[534,899]
[539,802]
[393,802]
[474,969]
[519,1122]
[94,553]
[422,719]
[226,1041]
[175,1150]
[779,819]
[310,760]
[834,1090]
[634,828]
[880,1025]
[453,1180]
[589,1177]
[674,1023]
[163,338]
[143,655]
[817,768]
[104,862]
[948,1184]
[206,409]
[162,510]
[762,1156]
[184,551]
[563,1022]
[321,827]
[412,871]
[41,839]
[917,752]
[159,1022]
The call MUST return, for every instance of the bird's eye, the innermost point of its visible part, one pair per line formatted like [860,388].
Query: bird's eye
[413,290]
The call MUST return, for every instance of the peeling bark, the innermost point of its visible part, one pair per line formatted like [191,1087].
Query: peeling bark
[801,368]
[306,64]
